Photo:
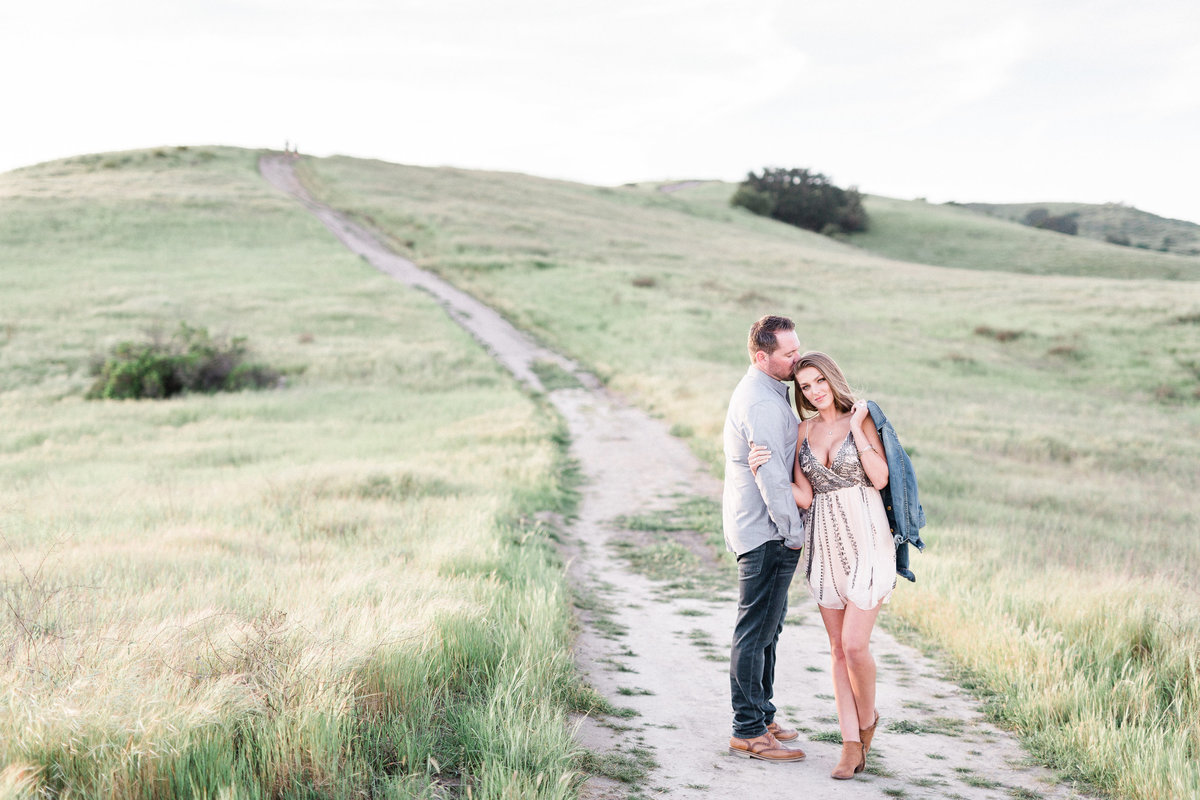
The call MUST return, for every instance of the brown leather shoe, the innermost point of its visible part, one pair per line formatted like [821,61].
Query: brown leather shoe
[852,762]
[781,733]
[765,747]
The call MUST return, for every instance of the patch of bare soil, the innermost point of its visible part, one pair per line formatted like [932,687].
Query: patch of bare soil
[661,655]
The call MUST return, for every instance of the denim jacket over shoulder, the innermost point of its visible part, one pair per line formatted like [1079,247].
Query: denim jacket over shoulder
[904,511]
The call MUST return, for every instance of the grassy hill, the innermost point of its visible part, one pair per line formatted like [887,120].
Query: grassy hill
[953,236]
[1110,221]
[1050,397]
[1054,418]
[263,594]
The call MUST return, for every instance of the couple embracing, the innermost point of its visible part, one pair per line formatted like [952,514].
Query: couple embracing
[808,491]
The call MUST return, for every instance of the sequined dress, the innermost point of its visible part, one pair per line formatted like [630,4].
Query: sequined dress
[851,555]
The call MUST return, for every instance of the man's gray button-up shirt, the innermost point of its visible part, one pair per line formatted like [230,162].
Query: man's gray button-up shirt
[759,509]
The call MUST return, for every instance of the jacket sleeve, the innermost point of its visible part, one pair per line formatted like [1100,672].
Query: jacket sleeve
[904,511]
[768,424]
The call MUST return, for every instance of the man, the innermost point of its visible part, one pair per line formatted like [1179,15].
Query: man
[766,531]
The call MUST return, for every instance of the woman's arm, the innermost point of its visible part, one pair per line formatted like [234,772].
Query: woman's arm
[870,448]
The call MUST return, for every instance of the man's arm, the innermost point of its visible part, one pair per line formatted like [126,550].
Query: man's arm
[769,425]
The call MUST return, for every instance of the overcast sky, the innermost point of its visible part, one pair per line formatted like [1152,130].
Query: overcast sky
[1024,100]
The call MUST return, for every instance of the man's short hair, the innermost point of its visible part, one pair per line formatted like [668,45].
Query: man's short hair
[762,334]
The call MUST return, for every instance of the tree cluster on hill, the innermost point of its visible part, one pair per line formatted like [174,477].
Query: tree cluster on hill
[1063,223]
[802,198]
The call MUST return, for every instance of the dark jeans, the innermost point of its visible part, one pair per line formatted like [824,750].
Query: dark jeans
[764,575]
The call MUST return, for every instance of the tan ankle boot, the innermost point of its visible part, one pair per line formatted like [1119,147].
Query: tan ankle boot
[867,734]
[852,761]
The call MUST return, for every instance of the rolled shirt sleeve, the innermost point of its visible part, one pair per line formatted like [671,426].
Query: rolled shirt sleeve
[768,425]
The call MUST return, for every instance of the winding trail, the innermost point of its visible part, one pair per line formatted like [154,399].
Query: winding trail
[665,656]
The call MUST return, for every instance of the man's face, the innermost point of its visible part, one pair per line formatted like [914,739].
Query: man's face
[779,365]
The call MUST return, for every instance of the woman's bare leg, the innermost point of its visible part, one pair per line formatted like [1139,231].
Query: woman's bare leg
[843,691]
[849,630]
[860,664]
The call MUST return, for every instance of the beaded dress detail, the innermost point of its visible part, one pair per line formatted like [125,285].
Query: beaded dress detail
[851,555]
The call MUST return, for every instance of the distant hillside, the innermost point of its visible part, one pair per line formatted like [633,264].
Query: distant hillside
[954,236]
[1111,222]
[951,235]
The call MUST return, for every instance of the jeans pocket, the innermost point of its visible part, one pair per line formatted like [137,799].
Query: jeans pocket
[750,564]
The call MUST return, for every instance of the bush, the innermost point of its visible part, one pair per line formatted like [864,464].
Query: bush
[1042,218]
[1067,223]
[1036,217]
[802,198]
[753,200]
[190,361]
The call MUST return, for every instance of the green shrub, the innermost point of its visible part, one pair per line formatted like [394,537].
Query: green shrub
[1065,223]
[802,198]
[190,361]
[753,200]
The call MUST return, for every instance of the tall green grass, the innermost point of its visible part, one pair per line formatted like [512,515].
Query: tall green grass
[1054,420]
[335,588]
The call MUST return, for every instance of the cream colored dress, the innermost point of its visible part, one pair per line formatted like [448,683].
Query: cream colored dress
[851,554]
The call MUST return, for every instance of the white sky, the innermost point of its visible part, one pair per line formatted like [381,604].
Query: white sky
[1025,100]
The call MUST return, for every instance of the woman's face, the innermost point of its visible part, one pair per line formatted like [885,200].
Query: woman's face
[815,388]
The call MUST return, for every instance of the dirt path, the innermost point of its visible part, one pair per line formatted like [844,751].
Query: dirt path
[664,657]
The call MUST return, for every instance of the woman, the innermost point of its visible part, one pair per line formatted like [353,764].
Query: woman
[851,560]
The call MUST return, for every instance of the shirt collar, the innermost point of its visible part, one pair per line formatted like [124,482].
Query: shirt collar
[767,380]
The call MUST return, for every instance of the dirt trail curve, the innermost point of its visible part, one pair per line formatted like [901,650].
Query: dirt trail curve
[665,657]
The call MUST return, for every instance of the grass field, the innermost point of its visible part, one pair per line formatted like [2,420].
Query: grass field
[1054,418]
[335,588]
